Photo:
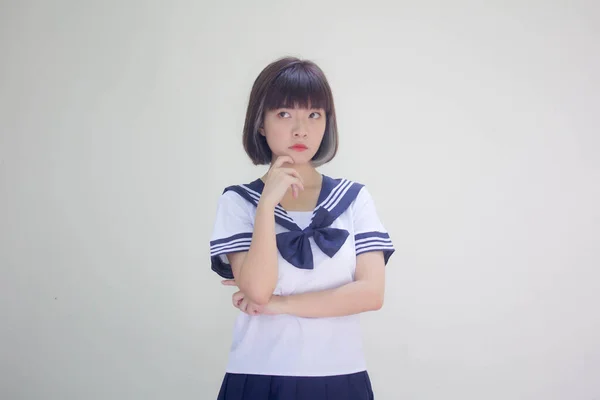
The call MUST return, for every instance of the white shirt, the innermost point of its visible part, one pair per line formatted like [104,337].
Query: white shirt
[286,344]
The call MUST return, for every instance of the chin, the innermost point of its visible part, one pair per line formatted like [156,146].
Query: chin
[299,158]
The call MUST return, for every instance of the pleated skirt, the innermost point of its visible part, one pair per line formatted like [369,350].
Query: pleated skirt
[355,386]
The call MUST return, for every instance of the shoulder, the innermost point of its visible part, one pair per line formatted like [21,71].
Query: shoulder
[341,186]
[361,203]
[356,189]
[230,197]
[231,194]
[242,191]
[344,195]
[236,200]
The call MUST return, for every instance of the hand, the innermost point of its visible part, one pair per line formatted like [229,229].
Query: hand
[243,304]
[240,302]
[279,180]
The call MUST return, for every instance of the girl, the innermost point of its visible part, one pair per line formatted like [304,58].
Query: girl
[306,251]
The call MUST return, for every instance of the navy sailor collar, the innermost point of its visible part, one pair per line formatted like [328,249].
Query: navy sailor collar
[335,197]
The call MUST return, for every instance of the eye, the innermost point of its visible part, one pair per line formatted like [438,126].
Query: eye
[283,114]
[315,115]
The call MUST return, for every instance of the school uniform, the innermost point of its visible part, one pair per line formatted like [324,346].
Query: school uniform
[284,356]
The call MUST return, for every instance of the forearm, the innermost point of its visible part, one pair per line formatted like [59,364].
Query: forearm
[258,273]
[352,298]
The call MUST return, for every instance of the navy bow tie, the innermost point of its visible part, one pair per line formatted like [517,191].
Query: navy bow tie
[294,246]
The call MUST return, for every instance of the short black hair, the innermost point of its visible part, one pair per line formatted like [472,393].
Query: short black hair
[286,83]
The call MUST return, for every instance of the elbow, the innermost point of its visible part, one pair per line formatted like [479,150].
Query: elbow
[370,297]
[258,291]
[377,304]
[259,294]
[376,300]
[260,298]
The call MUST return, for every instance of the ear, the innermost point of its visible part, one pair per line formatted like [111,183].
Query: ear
[261,130]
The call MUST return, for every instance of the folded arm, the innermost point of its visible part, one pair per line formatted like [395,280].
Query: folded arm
[365,293]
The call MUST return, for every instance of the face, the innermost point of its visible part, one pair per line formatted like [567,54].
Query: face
[295,132]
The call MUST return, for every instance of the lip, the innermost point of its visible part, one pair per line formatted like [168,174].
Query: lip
[299,147]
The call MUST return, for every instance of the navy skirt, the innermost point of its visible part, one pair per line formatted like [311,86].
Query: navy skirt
[266,387]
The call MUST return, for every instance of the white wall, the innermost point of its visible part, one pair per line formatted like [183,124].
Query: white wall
[476,128]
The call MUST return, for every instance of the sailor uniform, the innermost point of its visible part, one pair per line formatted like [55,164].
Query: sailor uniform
[312,358]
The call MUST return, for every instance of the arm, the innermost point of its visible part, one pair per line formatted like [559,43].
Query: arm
[255,271]
[365,293]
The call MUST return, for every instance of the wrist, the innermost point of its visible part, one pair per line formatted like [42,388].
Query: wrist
[278,304]
[265,206]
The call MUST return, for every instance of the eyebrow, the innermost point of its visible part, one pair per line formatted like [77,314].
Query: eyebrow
[303,108]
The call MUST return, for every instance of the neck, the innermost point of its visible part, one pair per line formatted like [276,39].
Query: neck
[309,174]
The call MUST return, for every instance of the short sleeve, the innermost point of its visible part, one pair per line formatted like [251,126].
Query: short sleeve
[232,231]
[369,232]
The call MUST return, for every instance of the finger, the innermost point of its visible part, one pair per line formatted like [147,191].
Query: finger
[295,176]
[298,183]
[293,172]
[228,282]
[255,310]
[281,160]
[235,301]
[237,298]
[294,191]
[244,305]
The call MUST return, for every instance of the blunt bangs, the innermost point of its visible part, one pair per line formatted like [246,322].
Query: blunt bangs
[298,86]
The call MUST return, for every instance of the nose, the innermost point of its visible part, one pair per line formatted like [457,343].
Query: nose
[300,134]
[300,130]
